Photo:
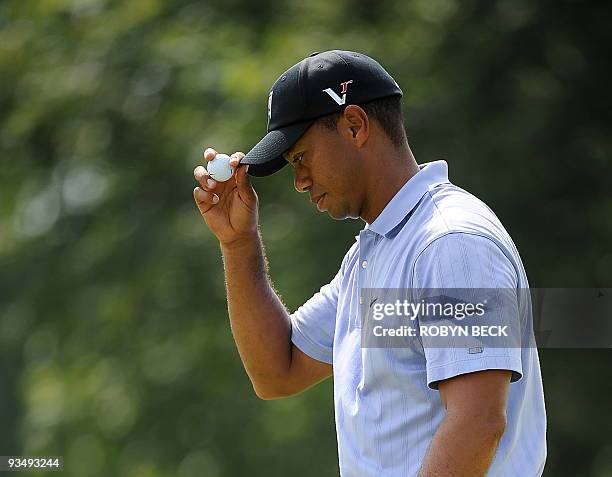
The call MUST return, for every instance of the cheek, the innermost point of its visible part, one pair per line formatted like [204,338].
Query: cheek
[347,176]
[333,171]
[338,166]
[323,171]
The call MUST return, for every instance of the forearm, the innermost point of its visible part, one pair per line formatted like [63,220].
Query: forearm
[462,447]
[260,322]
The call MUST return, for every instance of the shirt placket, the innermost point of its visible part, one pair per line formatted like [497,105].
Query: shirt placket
[367,239]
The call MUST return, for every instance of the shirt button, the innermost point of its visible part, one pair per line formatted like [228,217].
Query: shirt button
[361,300]
[364,264]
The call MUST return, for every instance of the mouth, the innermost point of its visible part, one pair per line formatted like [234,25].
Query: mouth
[315,199]
[319,201]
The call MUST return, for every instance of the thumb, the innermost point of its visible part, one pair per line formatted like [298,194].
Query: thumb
[245,188]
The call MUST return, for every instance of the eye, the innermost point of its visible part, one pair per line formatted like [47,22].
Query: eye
[298,159]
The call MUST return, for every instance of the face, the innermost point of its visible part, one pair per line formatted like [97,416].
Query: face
[328,168]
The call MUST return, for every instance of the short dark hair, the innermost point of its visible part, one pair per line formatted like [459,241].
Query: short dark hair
[386,111]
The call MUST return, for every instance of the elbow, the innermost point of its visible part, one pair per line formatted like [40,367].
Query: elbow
[269,393]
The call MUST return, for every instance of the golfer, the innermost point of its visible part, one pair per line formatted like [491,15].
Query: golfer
[424,411]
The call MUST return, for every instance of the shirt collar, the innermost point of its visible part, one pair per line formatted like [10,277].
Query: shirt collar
[402,203]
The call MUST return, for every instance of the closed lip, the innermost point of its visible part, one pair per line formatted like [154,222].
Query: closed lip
[314,200]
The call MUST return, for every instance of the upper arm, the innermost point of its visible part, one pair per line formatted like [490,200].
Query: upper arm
[481,394]
[312,336]
[313,324]
[471,268]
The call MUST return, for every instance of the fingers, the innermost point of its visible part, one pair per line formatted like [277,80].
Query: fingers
[201,174]
[205,200]
[236,158]
[209,153]
[209,192]
[206,182]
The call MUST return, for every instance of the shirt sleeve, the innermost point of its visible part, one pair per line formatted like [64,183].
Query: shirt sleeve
[473,264]
[313,323]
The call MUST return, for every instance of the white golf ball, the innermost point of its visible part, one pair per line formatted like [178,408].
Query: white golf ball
[219,168]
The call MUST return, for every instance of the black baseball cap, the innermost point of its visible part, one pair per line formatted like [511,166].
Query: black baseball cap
[321,84]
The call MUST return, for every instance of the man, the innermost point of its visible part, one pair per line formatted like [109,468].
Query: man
[336,117]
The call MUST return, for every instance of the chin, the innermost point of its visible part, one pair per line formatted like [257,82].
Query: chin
[340,214]
[336,217]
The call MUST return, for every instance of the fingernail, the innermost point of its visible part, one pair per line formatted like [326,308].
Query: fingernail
[215,199]
[210,183]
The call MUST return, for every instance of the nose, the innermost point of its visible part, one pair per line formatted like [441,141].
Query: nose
[301,179]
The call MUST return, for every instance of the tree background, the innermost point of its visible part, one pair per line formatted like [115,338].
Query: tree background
[115,349]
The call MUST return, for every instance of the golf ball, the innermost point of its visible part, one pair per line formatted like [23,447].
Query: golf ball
[219,168]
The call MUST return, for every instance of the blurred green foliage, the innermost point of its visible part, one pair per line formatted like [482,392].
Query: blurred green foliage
[115,349]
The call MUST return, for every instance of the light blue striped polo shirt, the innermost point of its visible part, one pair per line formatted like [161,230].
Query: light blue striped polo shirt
[432,234]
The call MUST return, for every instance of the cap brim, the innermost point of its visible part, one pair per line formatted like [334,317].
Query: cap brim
[266,156]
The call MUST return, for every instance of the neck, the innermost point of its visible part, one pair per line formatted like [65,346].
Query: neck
[390,170]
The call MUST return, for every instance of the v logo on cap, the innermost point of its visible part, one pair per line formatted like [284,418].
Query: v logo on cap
[335,97]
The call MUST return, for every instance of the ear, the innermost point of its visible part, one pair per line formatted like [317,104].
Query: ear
[354,125]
